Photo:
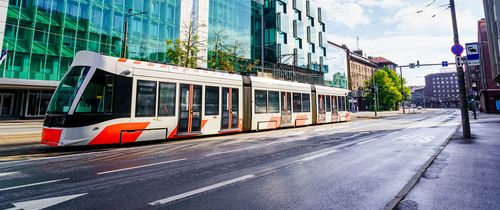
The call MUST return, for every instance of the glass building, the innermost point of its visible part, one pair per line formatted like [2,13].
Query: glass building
[43,36]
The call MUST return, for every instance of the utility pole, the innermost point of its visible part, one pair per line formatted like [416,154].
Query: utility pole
[125,31]
[402,88]
[375,92]
[461,79]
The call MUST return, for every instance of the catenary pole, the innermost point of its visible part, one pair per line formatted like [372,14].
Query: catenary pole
[461,79]
[402,88]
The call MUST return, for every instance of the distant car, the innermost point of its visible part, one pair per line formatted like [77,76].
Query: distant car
[419,108]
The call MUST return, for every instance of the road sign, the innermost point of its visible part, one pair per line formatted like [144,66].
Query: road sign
[457,49]
[472,50]
[458,61]
[444,64]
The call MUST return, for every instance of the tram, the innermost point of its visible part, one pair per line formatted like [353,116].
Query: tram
[108,100]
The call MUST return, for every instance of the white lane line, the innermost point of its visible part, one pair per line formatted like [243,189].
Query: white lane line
[367,141]
[142,166]
[229,151]
[8,173]
[44,203]
[33,184]
[318,155]
[200,190]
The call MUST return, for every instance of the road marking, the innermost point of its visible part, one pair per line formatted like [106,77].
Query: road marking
[44,203]
[142,166]
[354,135]
[229,151]
[33,184]
[318,155]
[8,173]
[367,141]
[200,190]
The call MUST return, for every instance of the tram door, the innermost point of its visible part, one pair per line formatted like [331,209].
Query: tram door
[335,112]
[190,109]
[230,106]
[286,109]
[321,108]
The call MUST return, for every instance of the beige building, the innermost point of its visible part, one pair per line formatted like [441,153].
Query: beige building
[360,70]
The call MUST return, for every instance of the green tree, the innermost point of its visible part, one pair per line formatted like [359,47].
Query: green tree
[389,90]
[227,55]
[184,53]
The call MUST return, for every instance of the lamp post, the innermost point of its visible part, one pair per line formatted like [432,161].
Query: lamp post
[125,30]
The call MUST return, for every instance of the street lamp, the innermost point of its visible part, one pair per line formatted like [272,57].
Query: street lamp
[125,30]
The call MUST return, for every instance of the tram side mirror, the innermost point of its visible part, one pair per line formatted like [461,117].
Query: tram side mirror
[125,73]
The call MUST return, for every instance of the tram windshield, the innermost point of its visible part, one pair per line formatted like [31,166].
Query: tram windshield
[67,90]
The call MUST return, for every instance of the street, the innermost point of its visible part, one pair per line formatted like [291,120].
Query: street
[356,165]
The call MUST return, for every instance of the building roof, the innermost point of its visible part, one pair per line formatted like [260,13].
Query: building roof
[384,61]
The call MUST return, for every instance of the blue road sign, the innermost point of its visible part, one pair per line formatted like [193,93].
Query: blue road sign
[444,64]
[472,51]
[457,49]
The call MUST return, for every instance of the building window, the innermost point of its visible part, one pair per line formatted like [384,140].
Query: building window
[298,15]
[211,100]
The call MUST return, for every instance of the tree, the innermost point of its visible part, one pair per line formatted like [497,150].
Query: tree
[184,53]
[389,89]
[228,55]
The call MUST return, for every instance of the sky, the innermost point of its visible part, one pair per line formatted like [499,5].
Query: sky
[402,31]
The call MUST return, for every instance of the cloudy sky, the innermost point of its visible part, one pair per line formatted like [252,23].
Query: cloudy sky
[402,30]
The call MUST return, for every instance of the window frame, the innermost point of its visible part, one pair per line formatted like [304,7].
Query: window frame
[137,101]
[159,97]
[218,104]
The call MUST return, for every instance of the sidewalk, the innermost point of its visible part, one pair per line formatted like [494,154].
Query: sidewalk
[20,132]
[382,114]
[466,174]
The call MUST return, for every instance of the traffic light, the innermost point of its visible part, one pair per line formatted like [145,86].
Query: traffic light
[418,63]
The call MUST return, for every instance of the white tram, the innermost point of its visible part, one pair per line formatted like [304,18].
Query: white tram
[108,100]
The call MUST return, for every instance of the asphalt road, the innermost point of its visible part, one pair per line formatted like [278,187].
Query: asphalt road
[356,165]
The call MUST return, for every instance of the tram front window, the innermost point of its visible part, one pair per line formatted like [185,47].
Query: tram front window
[66,92]
[98,95]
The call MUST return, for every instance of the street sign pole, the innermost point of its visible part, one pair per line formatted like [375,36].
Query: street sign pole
[461,78]
[402,89]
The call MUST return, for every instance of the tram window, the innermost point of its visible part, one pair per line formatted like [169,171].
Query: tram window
[260,101]
[274,102]
[306,103]
[297,102]
[98,95]
[166,106]
[146,99]
[328,103]
[342,103]
[211,100]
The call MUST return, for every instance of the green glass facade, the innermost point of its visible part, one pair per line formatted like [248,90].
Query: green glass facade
[230,26]
[43,36]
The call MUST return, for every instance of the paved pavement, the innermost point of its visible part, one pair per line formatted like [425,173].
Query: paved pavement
[465,175]
[355,165]
[20,132]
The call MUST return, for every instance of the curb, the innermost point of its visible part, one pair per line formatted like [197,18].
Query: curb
[413,181]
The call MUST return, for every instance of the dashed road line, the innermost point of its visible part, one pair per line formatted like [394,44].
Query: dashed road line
[200,190]
[8,173]
[318,155]
[230,151]
[32,184]
[142,166]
